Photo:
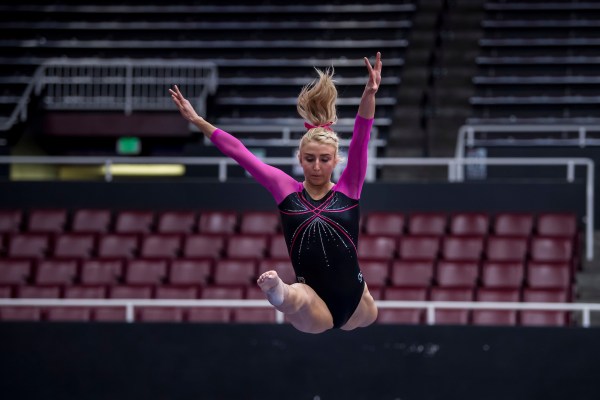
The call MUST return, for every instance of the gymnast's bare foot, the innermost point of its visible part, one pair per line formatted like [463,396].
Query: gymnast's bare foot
[273,287]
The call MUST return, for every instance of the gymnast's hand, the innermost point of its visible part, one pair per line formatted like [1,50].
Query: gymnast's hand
[185,107]
[374,74]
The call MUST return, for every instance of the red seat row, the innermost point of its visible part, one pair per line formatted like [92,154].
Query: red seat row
[377,223]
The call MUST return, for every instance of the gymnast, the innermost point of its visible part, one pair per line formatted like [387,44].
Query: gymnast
[320,219]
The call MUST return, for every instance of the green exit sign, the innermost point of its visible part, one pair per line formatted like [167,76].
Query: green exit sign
[129,146]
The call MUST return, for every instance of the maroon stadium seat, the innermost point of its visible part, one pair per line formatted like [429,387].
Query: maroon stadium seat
[246,246]
[184,222]
[254,315]
[427,223]
[259,222]
[190,272]
[10,221]
[548,275]
[463,248]
[56,272]
[551,248]
[176,292]
[406,293]
[419,247]
[384,223]
[101,272]
[28,245]
[209,314]
[204,245]
[14,271]
[235,272]
[118,246]
[412,273]
[376,272]
[70,314]
[545,317]
[109,314]
[376,247]
[506,248]
[496,317]
[85,292]
[222,292]
[277,247]
[134,222]
[6,292]
[217,222]
[282,266]
[513,224]
[74,245]
[457,273]
[47,221]
[556,224]
[161,246]
[130,292]
[472,224]
[20,314]
[503,274]
[143,271]
[451,316]
[160,314]
[38,292]
[91,221]
[404,315]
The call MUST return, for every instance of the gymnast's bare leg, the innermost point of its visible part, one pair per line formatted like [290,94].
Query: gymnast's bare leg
[303,308]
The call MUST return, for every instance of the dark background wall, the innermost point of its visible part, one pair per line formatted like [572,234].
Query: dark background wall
[195,361]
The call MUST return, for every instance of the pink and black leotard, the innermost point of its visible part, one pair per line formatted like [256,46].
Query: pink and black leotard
[321,235]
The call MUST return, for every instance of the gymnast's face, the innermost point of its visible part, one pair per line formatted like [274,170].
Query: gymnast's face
[318,161]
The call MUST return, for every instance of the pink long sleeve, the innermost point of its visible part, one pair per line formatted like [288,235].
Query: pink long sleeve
[353,177]
[277,182]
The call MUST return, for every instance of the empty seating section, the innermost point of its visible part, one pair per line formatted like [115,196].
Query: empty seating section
[219,254]
[538,63]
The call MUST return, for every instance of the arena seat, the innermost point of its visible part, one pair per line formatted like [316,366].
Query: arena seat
[283,266]
[208,315]
[235,272]
[204,245]
[20,314]
[277,247]
[377,247]
[134,222]
[10,221]
[176,292]
[259,222]
[408,273]
[506,248]
[384,223]
[470,224]
[14,271]
[85,292]
[452,316]
[190,272]
[427,223]
[457,273]
[47,221]
[183,222]
[74,245]
[406,293]
[551,248]
[503,274]
[159,314]
[28,245]
[419,247]
[218,222]
[70,314]
[254,315]
[38,292]
[375,272]
[145,271]
[556,224]
[166,246]
[496,317]
[543,317]
[101,272]
[53,272]
[109,314]
[549,275]
[222,292]
[130,292]
[114,245]
[462,248]
[402,316]
[246,246]
[513,224]
[91,221]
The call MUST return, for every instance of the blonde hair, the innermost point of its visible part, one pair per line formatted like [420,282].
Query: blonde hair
[316,105]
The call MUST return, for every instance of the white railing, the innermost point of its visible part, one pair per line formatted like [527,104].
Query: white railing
[116,84]
[454,166]
[429,306]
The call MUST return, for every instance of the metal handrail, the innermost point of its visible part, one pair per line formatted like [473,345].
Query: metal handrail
[429,306]
[454,165]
